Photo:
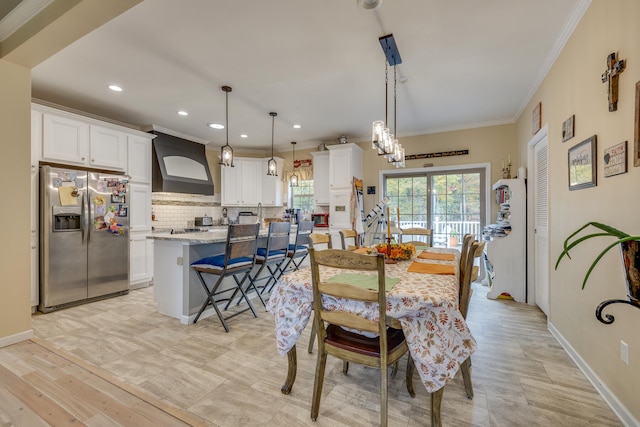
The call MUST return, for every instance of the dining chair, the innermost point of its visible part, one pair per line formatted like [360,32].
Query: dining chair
[345,235]
[337,338]
[270,257]
[297,251]
[467,277]
[316,239]
[238,259]
[467,240]
[421,236]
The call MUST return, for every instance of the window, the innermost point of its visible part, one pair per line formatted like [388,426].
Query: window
[302,196]
[448,202]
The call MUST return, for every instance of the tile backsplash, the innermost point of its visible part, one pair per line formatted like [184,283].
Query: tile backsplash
[175,210]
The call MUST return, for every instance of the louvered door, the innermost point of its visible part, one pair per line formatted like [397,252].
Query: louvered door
[541,236]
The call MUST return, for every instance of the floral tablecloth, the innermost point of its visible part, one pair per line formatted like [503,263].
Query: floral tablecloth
[425,304]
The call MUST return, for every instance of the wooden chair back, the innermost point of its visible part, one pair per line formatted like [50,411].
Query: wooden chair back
[468,274]
[466,244]
[422,236]
[335,337]
[242,241]
[317,239]
[278,238]
[345,235]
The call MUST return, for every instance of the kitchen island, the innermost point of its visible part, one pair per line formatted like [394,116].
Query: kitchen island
[176,289]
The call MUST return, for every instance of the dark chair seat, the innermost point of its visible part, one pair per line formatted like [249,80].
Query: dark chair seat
[357,343]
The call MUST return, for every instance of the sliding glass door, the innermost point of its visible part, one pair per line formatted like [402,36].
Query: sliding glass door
[451,203]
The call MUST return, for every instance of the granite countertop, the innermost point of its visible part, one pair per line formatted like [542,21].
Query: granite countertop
[212,236]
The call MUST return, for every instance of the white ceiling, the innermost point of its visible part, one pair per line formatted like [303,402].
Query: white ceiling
[466,63]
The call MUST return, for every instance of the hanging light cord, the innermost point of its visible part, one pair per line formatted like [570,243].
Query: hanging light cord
[227,116]
[395,123]
[273,120]
[386,93]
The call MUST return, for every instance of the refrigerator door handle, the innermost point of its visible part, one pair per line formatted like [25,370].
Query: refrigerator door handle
[89,216]
[83,214]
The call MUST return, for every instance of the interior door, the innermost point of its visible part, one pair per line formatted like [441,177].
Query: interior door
[541,223]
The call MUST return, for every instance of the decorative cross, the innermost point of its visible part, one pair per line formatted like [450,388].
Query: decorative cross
[610,76]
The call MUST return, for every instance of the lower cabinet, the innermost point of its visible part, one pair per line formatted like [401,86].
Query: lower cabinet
[140,260]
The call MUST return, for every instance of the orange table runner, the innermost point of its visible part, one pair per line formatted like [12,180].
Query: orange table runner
[436,255]
[420,267]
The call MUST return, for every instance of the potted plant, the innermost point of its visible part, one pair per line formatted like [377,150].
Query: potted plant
[454,239]
[630,251]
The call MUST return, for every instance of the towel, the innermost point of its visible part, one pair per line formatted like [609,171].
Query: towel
[363,281]
[437,255]
[419,267]
[364,251]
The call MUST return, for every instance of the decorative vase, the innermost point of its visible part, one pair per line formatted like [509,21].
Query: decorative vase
[630,252]
[453,242]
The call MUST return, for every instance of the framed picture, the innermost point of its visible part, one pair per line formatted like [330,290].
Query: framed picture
[636,143]
[615,160]
[568,128]
[536,118]
[582,164]
[117,198]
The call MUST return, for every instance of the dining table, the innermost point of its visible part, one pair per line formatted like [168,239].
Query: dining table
[424,300]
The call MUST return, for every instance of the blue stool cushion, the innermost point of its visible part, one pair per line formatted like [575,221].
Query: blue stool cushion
[262,252]
[217,262]
[299,249]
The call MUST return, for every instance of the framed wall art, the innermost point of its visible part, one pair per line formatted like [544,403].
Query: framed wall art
[568,128]
[636,143]
[615,160]
[582,164]
[536,118]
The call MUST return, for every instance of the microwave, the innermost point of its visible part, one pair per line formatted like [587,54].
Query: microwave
[320,220]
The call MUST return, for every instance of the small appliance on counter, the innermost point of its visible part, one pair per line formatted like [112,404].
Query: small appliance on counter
[247,218]
[293,215]
[203,221]
[320,219]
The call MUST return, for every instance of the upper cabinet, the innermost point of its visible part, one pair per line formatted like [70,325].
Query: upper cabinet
[247,183]
[321,177]
[65,140]
[107,148]
[139,158]
[345,162]
[71,139]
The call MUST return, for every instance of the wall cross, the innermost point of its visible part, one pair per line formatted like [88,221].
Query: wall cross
[610,76]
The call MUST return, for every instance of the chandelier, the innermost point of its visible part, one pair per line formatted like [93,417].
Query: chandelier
[272,165]
[382,139]
[294,177]
[226,152]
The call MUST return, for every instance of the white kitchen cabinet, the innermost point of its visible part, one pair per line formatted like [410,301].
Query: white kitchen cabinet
[340,215]
[140,260]
[321,178]
[107,148]
[36,137]
[271,185]
[242,184]
[139,200]
[65,140]
[139,158]
[345,162]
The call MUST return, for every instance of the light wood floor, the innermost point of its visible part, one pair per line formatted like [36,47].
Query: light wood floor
[521,375]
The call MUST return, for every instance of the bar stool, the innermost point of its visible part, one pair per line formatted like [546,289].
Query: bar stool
[271,257]
[238,259]
[297,251]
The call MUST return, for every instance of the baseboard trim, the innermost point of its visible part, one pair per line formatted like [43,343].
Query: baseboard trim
[614,403]
[16,338]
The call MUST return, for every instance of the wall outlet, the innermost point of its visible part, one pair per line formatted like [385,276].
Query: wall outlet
[179,260]
[624,352]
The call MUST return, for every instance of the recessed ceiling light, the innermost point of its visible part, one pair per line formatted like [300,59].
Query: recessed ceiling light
[115,88]
[216,126]
[297,126]
[244,135]
[183,113]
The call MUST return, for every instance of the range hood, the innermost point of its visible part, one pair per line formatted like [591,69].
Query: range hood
[180,166]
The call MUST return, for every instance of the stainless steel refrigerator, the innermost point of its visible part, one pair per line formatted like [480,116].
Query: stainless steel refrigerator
[84,236]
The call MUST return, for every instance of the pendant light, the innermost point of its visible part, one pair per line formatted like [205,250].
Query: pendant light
[272,166]
[294,177]
[226,152]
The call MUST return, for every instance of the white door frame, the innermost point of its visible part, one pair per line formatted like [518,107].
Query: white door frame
[539,136]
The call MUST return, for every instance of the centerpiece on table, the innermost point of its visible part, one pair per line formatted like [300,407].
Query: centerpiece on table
[398,252]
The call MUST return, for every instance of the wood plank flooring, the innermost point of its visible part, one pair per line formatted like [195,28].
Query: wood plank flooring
[521,375]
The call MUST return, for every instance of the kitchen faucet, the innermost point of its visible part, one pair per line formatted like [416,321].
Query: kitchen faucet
[260,213]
